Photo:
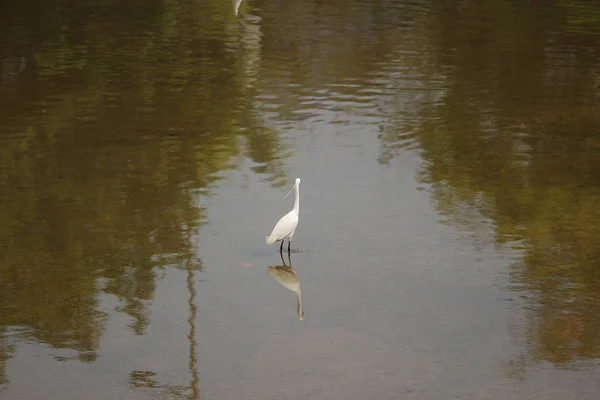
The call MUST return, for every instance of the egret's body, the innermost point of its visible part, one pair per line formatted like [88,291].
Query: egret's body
[286,226]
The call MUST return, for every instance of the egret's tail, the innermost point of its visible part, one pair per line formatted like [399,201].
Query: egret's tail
[270,240]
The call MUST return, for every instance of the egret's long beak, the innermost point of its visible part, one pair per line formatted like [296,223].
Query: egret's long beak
[293,187]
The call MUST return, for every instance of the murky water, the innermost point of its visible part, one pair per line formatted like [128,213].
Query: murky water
[449,236]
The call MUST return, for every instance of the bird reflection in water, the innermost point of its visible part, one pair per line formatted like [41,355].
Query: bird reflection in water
[236,6]
[288,278]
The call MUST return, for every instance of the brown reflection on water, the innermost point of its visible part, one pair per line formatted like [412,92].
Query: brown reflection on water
[110,129]
[514,142]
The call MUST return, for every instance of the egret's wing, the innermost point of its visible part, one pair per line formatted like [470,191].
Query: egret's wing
[284,226]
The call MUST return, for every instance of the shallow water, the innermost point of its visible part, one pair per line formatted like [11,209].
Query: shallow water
[448,239]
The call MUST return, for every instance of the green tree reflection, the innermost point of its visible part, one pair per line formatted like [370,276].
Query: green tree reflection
[113,135]
[514,138]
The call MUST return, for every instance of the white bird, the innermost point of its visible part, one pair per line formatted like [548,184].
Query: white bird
[285,228]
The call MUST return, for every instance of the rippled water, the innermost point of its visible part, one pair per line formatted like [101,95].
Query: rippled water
[448,240]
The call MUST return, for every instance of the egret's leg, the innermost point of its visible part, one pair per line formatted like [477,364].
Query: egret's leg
[289,243]
[281,247]
[282,259]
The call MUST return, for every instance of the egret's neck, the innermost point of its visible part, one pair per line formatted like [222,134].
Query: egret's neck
[297,201]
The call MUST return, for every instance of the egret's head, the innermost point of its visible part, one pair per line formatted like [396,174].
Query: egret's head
[294,187]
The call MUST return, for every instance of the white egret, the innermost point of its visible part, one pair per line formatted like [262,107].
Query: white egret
[285,228]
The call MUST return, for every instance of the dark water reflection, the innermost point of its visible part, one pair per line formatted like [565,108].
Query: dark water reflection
[119,123]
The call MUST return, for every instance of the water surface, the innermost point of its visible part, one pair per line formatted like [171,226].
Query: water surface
[448,240]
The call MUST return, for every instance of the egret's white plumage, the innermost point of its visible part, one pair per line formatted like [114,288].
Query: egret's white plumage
[286,226]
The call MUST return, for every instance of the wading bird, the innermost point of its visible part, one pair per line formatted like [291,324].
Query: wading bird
[286,226]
